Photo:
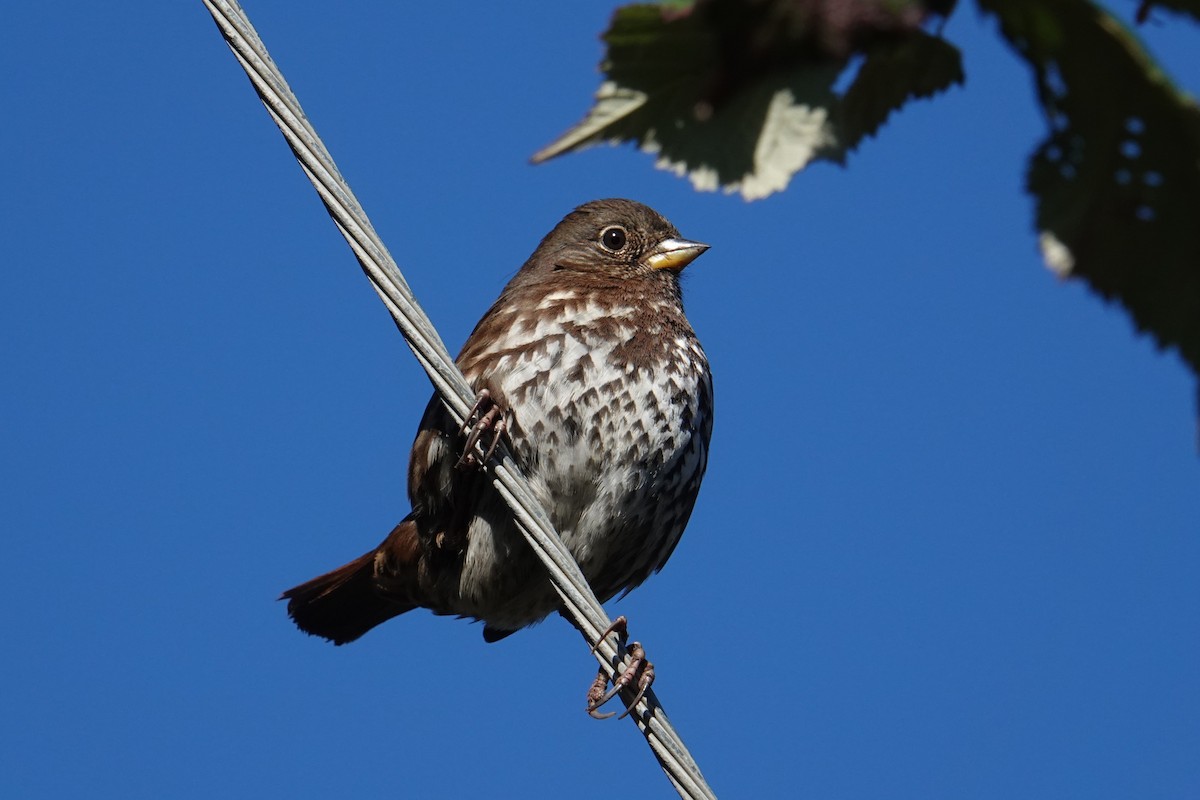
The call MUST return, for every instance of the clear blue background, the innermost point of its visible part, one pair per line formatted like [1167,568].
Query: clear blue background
[948,545]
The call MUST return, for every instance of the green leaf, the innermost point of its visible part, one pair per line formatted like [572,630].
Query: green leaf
[1146,7]
[1117,179]
[657,95]
[917,66]
[739,95]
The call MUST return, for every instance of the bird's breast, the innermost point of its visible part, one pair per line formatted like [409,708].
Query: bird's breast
[593,386]
[609,408]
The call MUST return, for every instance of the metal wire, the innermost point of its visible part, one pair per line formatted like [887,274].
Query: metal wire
[579,603]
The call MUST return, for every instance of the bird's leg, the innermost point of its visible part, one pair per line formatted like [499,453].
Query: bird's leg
[488,415]
[639,673]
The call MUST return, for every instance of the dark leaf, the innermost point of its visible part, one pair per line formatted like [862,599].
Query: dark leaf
[738,94]
[892,74]
[1117,180]
[660,94]
[1146,8]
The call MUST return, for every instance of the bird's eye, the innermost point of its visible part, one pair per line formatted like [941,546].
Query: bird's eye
[613,238]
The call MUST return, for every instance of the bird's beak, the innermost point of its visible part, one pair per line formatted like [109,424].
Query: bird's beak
[673,254]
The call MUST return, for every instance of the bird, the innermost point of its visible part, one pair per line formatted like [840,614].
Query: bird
[588,370]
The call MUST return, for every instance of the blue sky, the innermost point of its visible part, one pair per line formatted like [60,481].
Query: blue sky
[948,541]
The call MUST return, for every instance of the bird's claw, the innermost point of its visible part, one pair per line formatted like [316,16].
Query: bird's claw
[486,415]
[639,673]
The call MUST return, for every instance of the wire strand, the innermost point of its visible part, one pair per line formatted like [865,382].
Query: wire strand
[579,602]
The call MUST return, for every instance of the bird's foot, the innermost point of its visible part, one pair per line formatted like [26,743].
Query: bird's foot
[639,673]
[485,416]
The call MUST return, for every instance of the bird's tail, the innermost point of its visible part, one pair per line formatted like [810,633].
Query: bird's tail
[345,603]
